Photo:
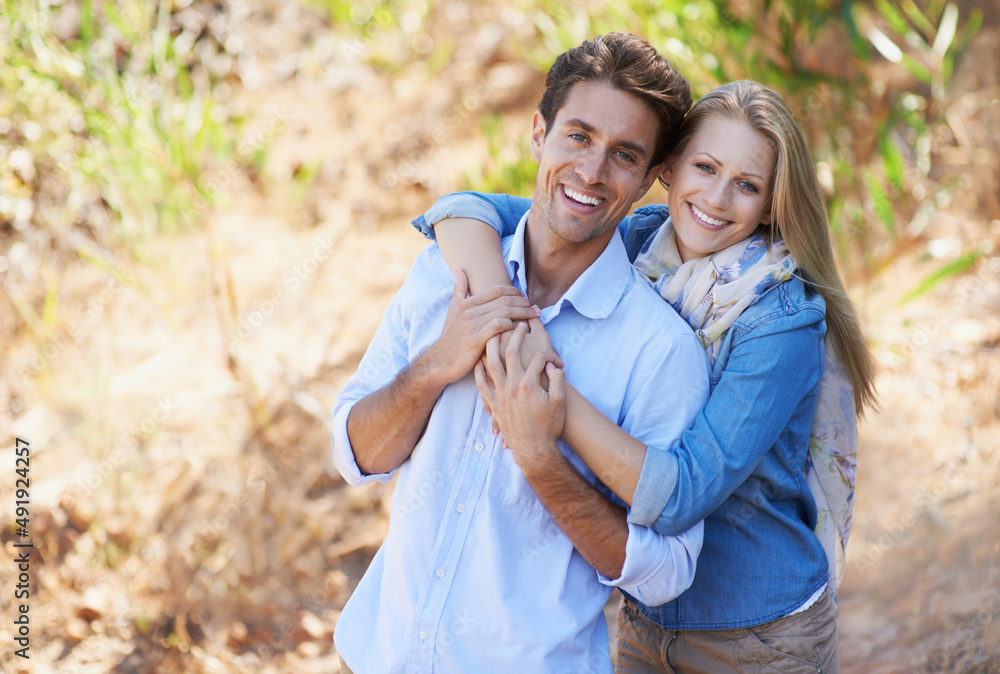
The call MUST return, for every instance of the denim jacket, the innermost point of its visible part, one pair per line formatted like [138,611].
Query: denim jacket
[740,465]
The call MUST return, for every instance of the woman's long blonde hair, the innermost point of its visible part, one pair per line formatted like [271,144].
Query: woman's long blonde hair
[798,215]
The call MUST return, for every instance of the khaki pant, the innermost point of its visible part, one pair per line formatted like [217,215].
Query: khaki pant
[804,643]
[344,669]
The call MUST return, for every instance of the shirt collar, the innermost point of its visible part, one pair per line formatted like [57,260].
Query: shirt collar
[594,294]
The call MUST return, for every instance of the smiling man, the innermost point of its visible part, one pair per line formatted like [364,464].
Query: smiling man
[496,560]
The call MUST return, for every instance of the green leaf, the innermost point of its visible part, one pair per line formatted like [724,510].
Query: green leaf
[917,17]
[892,17]
[950,269]
[881,202]
[946,31]
[892,158]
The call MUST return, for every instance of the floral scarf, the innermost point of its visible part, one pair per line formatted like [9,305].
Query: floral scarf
[710,293]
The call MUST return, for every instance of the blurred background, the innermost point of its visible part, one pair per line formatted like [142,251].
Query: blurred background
[204,210]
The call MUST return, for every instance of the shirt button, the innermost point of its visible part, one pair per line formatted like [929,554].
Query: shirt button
[479,447]
[460,508]
[422,634]
[439,573]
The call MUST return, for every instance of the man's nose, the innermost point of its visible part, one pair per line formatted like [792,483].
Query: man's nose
[592,166]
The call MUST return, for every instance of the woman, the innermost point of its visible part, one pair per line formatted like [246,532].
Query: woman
[744,255]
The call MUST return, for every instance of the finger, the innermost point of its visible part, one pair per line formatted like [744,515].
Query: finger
[504,293]
[496,428]
[514,307]
[513,355]
[489,395]
[461,290]
[557,383]
[482,381]
[533,373]
[493,363]
[516,313]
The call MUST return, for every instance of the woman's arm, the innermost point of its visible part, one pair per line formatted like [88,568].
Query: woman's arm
[468,227]
[670,489]
[474,247]
[615,456]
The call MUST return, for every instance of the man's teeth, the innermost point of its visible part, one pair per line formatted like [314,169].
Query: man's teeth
[704,216]
[582,198]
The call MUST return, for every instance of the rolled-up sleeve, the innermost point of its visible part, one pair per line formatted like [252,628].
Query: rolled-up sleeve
[771,369]
[656,483]
[343,454]
[502,212]
[658,568]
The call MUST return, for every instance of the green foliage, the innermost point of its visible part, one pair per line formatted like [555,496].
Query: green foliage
[387,34]
[126,134]
[875,145]
[506,169]
[947,270]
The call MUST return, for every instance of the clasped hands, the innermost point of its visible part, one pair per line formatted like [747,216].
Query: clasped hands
[498,334]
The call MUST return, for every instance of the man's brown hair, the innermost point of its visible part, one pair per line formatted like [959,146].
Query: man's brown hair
[628,64]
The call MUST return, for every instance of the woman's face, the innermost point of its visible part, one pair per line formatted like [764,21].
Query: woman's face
[720,186]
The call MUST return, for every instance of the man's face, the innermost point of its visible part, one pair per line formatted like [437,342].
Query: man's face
[593,163]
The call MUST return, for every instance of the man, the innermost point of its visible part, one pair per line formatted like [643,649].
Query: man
[482,568]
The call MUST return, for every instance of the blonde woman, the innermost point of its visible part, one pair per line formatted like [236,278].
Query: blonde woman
[743,254]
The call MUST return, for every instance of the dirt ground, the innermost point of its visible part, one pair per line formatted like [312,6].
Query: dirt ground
[185,510]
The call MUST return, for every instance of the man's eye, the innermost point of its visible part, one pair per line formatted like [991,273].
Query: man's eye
[578,136]
[625,156]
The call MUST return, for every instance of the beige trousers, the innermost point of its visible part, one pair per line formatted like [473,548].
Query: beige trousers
[804,643]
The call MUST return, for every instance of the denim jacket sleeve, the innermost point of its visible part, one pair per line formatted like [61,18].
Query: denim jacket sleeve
[502,212]
[774,364]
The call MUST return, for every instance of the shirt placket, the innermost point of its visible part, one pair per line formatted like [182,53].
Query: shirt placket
[455,527]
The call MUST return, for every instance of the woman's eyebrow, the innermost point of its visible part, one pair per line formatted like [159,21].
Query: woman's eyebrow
[742,173]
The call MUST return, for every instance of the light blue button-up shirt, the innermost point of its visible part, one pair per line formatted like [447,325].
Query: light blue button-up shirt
[474,574]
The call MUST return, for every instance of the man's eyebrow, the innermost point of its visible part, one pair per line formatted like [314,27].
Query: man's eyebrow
[742,173]
[638,148]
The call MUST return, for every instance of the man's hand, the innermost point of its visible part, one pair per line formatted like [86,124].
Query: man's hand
[470,323]
[530,418]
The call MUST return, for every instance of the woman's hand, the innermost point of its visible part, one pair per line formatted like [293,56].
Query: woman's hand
[530,418]
[536,340]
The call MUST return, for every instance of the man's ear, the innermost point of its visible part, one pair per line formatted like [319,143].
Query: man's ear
[651,176]
[537,135]
[667,175]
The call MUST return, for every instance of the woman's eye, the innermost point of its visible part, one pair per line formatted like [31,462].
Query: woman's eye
[749,187]
[704,168]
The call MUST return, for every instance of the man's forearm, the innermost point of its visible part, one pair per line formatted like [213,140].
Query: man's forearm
[596,527]
[385,426]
